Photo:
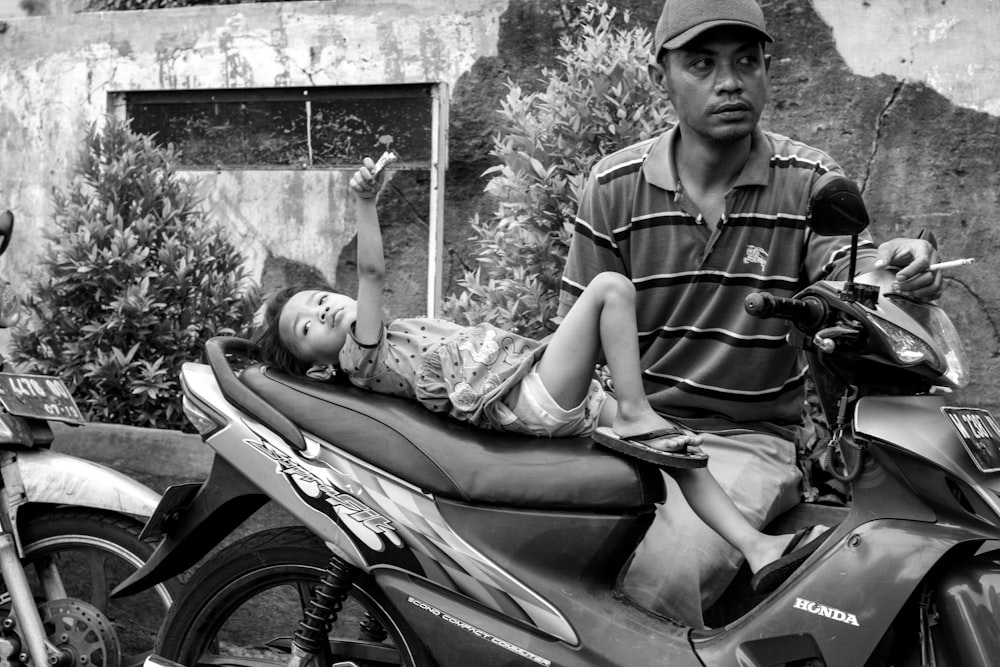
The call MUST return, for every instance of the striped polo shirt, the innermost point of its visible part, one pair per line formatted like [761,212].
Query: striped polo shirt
[702,355]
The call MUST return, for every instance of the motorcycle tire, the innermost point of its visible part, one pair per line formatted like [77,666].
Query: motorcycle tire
[246,601]
[93,551]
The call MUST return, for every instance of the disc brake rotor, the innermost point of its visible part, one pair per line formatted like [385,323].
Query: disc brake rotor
[82,632]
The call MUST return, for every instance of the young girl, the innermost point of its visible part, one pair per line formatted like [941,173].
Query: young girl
[499,380]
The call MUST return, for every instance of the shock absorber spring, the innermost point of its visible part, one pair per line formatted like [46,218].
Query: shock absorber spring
[325,603]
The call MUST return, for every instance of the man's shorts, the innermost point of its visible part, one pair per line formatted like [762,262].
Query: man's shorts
[538,414]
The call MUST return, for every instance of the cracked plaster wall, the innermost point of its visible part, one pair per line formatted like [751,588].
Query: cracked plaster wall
[951,45]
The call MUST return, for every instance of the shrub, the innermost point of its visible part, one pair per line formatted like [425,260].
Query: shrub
[133,281]
[600,99]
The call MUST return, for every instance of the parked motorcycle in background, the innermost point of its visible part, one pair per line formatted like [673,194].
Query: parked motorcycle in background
[69,533]
[421,541]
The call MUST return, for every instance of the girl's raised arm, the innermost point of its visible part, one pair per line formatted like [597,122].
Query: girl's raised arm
[367,182]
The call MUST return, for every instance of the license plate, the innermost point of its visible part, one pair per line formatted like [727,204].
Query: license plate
[38,396]
[980,434]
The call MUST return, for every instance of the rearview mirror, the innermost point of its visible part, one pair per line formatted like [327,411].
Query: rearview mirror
[836,207]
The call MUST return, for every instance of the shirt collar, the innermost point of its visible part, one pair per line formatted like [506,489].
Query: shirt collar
[659,170]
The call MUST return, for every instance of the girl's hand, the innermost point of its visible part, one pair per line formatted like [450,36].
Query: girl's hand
[366,185]
[369,180]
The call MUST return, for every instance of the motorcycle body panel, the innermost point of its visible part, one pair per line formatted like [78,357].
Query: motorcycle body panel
[920,428]
[193,519]
[464,634]
[847,615]
[857,582]
[572,559]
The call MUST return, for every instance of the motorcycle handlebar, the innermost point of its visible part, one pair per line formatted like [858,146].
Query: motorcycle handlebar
[808,313]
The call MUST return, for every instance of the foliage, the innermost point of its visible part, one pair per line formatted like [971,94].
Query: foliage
[134,280]
[598,100]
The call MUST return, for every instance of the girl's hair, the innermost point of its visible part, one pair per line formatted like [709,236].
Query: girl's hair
[268,340]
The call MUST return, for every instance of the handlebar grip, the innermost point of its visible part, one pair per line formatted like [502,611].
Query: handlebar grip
[808,312]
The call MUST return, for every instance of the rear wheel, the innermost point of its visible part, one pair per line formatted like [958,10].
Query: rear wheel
[74,557]
[244,604]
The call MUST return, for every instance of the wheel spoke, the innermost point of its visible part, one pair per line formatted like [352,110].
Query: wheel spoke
[48,574]
[97,564]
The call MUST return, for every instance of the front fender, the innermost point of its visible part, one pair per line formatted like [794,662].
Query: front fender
[44,476]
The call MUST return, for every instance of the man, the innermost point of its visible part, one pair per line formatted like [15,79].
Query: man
[698,218]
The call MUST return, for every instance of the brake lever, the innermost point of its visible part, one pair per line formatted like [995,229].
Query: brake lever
[826,339]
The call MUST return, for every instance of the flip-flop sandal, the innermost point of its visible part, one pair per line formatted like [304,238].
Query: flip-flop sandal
[772,575]
[635,445]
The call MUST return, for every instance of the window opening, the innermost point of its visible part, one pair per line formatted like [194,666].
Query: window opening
[305,128]
[260,128]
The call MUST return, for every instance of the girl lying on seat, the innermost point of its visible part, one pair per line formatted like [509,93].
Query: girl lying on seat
[499,380]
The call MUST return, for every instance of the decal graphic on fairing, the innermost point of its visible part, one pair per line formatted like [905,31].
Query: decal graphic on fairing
[365,523]
[478,632]
[360,503]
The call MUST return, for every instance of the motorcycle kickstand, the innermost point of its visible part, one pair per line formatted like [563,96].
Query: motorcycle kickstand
[310,644]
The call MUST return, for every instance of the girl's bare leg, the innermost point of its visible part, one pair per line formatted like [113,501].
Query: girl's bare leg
[602,322]
[717,510]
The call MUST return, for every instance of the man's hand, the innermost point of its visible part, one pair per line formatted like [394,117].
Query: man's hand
[911,257]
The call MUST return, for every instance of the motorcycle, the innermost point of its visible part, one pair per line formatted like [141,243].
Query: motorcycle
[420,541]
[69,532]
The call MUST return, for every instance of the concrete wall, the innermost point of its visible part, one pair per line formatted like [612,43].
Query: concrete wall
[903,93]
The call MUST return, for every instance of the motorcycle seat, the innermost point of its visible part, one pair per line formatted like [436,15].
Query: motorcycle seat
[447,458]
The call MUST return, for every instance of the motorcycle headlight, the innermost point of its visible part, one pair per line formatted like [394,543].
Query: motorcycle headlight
[908,349]
[928,337]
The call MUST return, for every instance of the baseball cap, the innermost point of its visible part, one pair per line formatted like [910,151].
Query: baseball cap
[683,20]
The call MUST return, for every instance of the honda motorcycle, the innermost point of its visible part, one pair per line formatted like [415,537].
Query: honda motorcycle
[69,533]
[421,541]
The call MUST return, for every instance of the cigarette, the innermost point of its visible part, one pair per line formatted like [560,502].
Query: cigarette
[941,266]
[387,158]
